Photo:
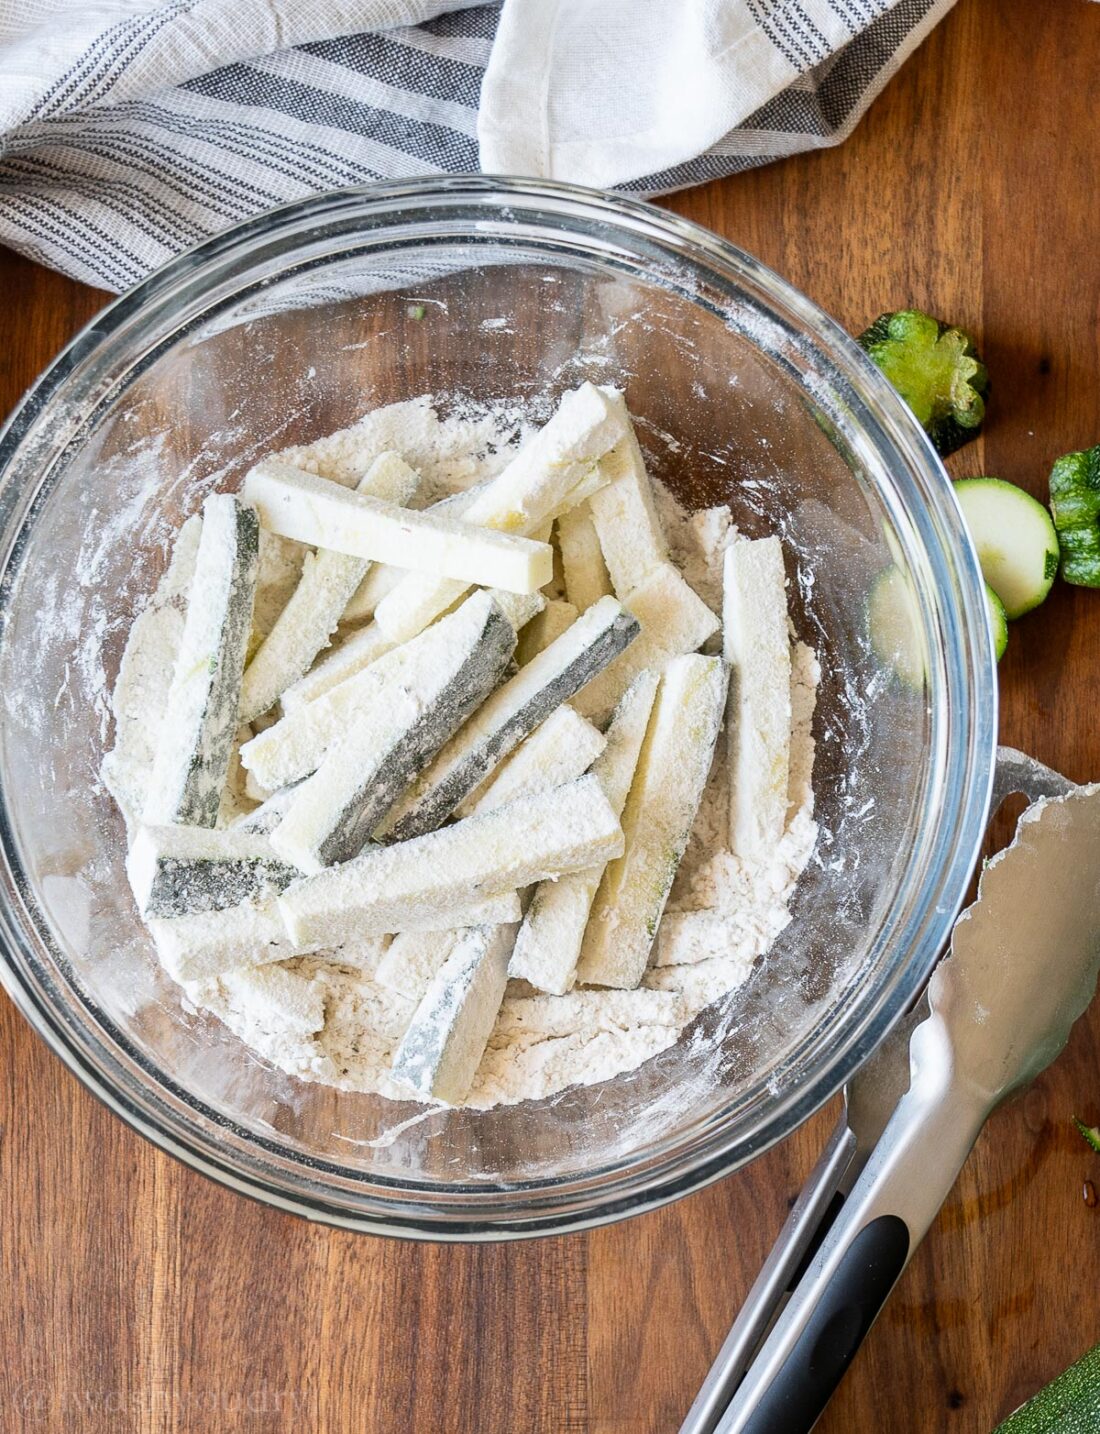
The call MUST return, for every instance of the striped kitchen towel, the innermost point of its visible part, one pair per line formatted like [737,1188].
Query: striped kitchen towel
[132,129]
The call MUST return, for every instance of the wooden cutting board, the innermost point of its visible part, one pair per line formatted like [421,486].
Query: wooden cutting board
[138,1296]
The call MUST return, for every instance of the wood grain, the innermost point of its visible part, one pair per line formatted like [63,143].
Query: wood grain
[140,1297]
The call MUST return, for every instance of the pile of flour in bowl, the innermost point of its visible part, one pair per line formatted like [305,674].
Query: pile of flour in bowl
[326,1017]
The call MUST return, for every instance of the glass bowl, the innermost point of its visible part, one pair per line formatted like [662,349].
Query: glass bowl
[292,325]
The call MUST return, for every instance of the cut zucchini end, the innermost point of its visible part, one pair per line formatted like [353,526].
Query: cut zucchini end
[1089,1133]
[1015,538]
[937,370]
[998,621]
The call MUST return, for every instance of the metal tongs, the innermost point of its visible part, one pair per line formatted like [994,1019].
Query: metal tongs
[1022,967]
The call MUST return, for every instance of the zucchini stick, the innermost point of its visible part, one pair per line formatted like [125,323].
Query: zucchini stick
[562,830]
[310,618]
[509,715]
[758,729]
[299,505]
[549,941]
[657,820]
[200,723]
[445,673]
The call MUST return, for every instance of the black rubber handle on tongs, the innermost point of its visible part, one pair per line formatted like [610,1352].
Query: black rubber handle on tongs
[848,1307]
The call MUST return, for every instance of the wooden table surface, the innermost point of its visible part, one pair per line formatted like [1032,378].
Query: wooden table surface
[138,1296]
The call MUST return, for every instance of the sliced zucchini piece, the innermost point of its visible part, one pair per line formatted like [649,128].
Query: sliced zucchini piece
[586,579]
[412,959]
[440,1052]
[177,870]
[144,680]
[631,538]
[549,941]
[674,620]
[664,796]
[349,659]
[893,627]
[200,721]
[758,650]
[516,709]
[937,370]
[309,619]
[299,505]
[384,888]
[998,621]
[1015,538]
[444,674]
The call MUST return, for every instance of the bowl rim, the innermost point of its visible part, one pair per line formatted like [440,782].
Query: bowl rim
[971,660]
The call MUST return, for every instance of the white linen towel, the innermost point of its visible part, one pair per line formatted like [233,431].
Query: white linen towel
[132,129]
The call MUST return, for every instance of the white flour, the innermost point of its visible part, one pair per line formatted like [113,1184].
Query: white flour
[331,1021]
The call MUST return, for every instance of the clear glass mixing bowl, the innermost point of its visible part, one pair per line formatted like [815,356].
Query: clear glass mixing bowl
[291,326]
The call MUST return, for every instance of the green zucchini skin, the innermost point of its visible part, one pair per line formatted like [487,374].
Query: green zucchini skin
[184,870]
[1071,1405]
[1075,503]
[183,887]
[440,1051]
